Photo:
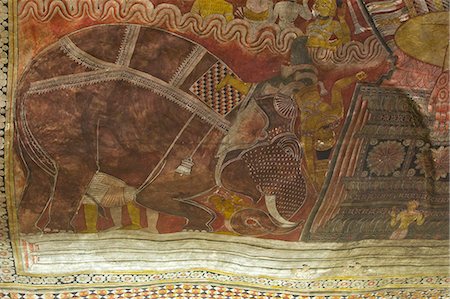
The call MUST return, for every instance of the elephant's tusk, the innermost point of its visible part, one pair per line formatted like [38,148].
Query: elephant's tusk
[272,208]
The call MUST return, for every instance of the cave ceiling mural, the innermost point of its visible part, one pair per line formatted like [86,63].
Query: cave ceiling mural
[280,133]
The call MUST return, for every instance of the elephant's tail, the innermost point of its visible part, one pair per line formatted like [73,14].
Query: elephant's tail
[256,222]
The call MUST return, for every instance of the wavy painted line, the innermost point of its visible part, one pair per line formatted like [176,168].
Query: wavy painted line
[267,36]
[353,52]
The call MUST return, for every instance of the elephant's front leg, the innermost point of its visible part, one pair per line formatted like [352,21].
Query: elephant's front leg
[197,217]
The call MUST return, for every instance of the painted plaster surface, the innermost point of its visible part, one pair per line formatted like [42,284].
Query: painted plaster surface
[251,146]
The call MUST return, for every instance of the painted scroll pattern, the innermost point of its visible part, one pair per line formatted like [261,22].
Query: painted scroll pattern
[269,36]
[353,52]
[164,16]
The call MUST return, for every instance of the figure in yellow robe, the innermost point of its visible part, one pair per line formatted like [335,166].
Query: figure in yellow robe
[213,7]
[324,27]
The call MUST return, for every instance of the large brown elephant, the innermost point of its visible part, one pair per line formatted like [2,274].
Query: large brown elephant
[119,100]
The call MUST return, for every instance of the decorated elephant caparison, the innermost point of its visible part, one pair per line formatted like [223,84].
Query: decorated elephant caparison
[112,105]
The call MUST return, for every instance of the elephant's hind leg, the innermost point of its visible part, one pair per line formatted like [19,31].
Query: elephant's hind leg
[36,195]
[74,176]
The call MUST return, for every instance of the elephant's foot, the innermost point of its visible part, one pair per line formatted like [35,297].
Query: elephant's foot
[27,222]
[49,222]
[197,227]
[69,190]
[198,216]
[58,226]
[48,230]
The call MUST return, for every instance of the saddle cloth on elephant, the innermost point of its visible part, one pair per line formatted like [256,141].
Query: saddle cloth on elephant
[108,191]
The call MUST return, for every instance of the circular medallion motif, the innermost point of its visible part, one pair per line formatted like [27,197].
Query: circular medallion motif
[435,166]
[386,157]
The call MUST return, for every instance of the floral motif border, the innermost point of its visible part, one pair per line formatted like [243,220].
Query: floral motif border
[213,291]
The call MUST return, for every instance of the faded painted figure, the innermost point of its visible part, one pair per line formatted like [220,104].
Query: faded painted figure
[116,114]
[288,11]
[406,218]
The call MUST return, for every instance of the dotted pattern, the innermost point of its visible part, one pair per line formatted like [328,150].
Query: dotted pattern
[273,133]
[278,173]
[221,101]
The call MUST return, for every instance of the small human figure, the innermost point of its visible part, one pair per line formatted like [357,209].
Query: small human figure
[288,11]
[256,12]
[324,27]
[213,7]
[406,218]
